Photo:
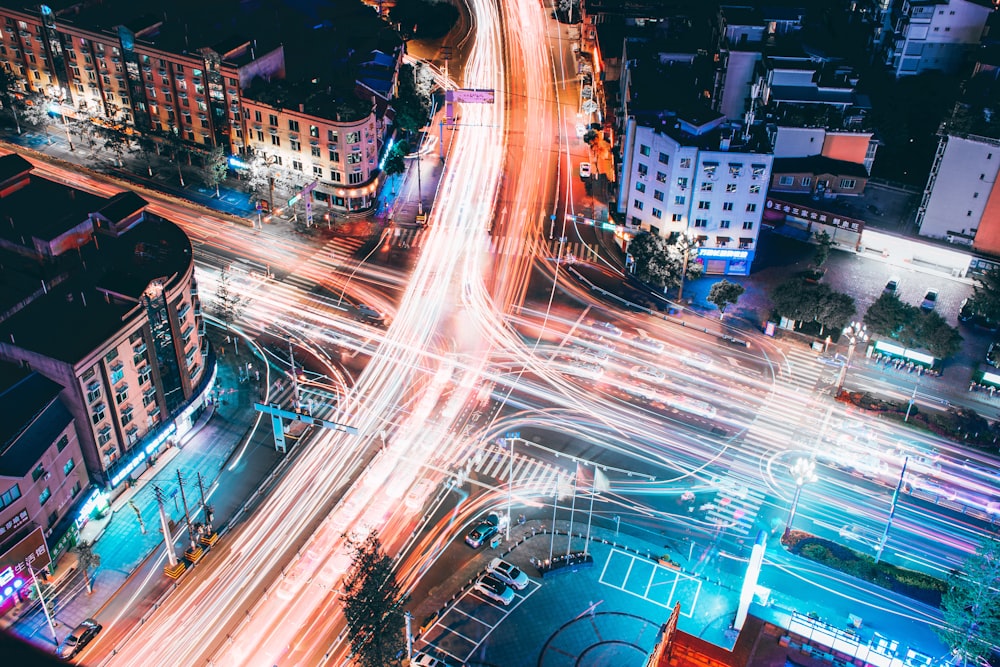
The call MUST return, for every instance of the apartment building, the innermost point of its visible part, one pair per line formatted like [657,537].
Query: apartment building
[919,35]
[134,69]
[42,474]
[309,135]
[102,300]
[688,172]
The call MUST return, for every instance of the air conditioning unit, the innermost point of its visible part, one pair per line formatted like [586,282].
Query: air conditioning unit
[46,476]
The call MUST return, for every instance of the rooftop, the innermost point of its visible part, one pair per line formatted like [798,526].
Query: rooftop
[818,164]
[34,416]
[333,101]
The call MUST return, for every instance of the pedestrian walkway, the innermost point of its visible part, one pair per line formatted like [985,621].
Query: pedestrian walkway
[530,475]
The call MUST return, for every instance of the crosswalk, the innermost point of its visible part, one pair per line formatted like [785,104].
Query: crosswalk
[329,258]
[528,473]
[411,238]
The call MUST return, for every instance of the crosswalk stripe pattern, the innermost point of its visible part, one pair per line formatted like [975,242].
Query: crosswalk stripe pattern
[540,476]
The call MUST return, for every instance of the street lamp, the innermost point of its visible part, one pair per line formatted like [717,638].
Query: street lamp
[803,471]
[689,240]
[855,332]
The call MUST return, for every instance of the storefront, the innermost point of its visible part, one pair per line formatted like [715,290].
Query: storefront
[726,261]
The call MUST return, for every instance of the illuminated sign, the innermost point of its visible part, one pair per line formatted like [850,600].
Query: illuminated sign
[29,552]
[471,95]
[719,253]
[807,213]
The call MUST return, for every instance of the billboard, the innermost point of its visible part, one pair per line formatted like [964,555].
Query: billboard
[471,95]
[31,552]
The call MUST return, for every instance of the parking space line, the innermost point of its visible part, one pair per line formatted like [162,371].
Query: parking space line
[677,576]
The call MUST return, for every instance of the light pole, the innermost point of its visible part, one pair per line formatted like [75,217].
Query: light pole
[855,333]
[892,511]
[688,240]
[803,471]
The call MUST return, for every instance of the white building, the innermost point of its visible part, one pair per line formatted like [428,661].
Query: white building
[686,176]
[935,35]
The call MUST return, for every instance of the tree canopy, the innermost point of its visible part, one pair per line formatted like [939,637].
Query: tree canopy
[971,607]
[805,302]
[912,327]
[412,103]
[660,261]
[985,299]
[723,294]
[373,604]
[823,245]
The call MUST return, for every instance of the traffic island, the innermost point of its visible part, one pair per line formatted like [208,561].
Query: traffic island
[573,562]
[176,570]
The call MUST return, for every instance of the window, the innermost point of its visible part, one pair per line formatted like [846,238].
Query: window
[706,187]
[661,177]
[751,208]
[111,356]
[275,140]
[727,206]
[127,416]
[785,180]
[685,163]
[148,396]
[260,135]
[352,137]
[314,150]
[807,181]
[640,186]
[69,466]
[355,178]
[256,116]
[37,472]
[676,217]
[657,213]
[295,145]
[724,224]
[643,170]
[75,491]
[104,436]
[848,183]
[700,222]
[637,204]
[755,189]
[293,125]
[334,156]
[272,120]
[636,221]
[679,200]
[748,224]
[704,205]
[730,187]
[332,136]
[9,496]
[98,415]
[121,394]
[682,183]
[63,441]
[93,392]
[44,496]
[643,150]
[314,131]
[354,158]
[144,375]
[317,171]
[664,158]
[658,195]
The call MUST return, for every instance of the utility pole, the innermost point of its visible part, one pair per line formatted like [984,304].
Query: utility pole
[45,606]
[892,511]
[409,635]
[295,377]
[174,568]
[194,552]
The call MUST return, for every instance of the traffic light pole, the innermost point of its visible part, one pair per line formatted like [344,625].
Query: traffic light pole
[45,606]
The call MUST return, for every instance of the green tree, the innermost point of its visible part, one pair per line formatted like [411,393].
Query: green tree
[116,142]
[724,293]
[971,607]
[178,150]
[36,113]
[229,304]
[373,604]
[794,299]
[89,561]
[985,299]
[8,88]
[147,147]
[216,168]
[47,593]
[395,161]
[411,104]
[834,309]
[652,260]
[937,336]
[823,245]
[889,317]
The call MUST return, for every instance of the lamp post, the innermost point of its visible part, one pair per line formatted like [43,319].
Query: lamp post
[855,333]
[803,471]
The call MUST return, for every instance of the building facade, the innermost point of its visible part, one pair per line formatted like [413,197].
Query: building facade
[961,202]
[128,351]
[931,34]
[689,178]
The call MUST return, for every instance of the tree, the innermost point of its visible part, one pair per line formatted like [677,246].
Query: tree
[47,592]
[937,336]
[228,304]
[395,161]
[36,114]
[724,293]
[115,141]
[373,604]
[8,88]
[89,561]
[834,309]
[971,607]
[216,168]
[794,299]
[888,316]
[147,147]
[412,106]
[178,150]
[652,259]
[985,299]
[823,245]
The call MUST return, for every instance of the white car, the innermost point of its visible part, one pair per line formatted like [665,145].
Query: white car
[585,170]
[424,660]
[648,373]
[508,573]
[607,328]
[494,589]
[648,344]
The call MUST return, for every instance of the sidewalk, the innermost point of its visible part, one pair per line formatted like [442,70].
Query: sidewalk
[122,540]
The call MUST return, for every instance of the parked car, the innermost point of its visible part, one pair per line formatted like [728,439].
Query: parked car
[79,638]
[508,573]
[495,589]
[930,300]
[424,660]
[585,170]
[892,287]
[967,314]
[993,354]
[483,531]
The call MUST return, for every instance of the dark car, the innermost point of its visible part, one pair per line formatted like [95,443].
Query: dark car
[968,314]
[79,638]
[483,531]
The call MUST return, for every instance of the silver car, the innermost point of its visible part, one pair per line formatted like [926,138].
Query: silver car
[508,573]
[494,589]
